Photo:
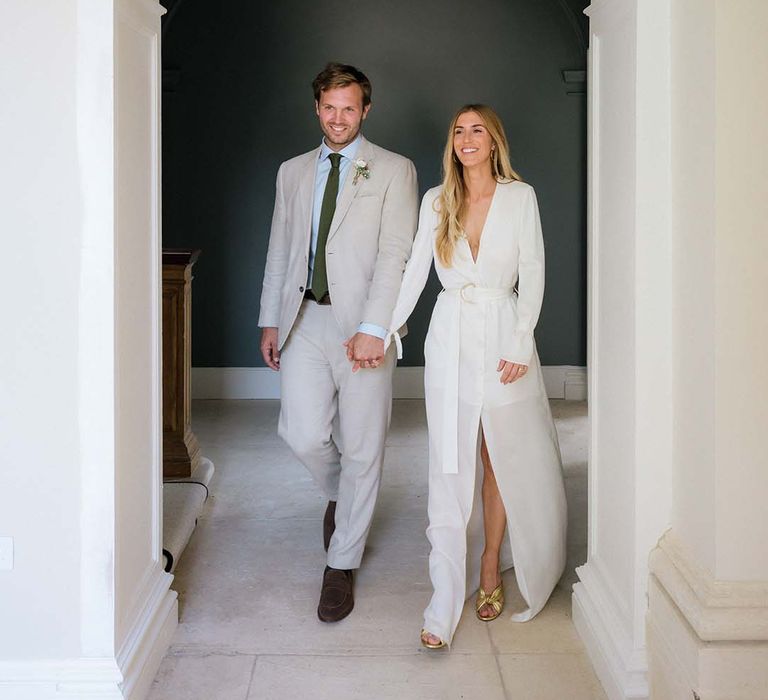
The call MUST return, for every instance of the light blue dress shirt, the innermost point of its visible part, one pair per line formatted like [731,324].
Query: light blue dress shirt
[323,169]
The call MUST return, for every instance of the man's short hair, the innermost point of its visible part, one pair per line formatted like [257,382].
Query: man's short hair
[338,75]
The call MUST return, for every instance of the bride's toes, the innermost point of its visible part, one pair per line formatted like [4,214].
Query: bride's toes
[431,641]
[488,605]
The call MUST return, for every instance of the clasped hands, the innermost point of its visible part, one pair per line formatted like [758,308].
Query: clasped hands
[364,351]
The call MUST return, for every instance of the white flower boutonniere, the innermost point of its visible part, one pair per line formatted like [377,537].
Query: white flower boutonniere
[361,170]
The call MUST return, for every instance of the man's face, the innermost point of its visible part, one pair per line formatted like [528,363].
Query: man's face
[341,113]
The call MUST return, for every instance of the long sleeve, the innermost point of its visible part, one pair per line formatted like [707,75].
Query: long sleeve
[416,270]
[518,347]
[398,218]
[277,262]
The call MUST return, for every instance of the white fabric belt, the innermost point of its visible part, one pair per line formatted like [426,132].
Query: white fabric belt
[470,294]
[473,294]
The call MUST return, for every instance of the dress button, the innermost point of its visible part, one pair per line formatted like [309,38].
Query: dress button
[301,289]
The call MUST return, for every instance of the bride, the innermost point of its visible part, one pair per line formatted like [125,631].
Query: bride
[496,496]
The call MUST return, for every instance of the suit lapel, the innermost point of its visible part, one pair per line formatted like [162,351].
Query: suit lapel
[349,190]
[307,192]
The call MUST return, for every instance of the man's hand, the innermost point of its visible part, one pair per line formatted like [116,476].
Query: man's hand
[510,371]
[269,350]
[364,351]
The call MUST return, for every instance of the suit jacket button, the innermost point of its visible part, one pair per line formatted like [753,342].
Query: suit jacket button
[301,289]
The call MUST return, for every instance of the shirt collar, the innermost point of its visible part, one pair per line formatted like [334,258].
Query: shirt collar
[348,151]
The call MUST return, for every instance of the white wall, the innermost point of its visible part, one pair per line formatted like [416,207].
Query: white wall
[86,607]
[612,258]
[41,215]
[741,280]
[720,211]
[630,350]
[720,180]
[678,389]
[693,192]
[708,612]
[138,439]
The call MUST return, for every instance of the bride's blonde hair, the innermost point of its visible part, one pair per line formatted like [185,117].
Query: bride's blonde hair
[451,203]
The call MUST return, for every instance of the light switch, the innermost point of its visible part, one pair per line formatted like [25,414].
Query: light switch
[6,553]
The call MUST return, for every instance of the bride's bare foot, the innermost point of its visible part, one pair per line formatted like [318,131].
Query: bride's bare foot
[490,580]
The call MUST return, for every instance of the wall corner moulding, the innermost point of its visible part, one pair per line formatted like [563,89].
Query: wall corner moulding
[150,9]
[575,81]
[604,629]
[705,636]
[718,611]
[609,9]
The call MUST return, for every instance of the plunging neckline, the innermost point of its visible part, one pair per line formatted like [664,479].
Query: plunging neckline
[482,230]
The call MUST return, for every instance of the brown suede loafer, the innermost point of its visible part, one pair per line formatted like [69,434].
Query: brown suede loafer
[329,524]
[336,599]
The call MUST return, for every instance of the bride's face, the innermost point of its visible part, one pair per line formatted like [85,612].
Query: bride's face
[471,141]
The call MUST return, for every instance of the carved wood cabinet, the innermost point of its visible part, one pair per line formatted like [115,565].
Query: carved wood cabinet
[181,452]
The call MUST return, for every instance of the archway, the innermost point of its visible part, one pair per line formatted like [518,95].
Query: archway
[219,196]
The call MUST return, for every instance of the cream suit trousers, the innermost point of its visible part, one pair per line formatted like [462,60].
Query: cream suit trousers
[336,422]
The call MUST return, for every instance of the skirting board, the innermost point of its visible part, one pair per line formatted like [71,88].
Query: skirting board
[562,382]
[150,636]
[127,677]
[623,672]
[53,679]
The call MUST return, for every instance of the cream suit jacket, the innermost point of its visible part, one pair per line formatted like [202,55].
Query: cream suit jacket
[368,243]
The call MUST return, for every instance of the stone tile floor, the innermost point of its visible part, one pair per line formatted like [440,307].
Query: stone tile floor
[249,580]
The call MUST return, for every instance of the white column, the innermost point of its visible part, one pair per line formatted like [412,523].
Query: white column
[708,617]
[630,343]
[86,609]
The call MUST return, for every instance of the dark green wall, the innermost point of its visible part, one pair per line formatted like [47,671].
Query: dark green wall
[237,102]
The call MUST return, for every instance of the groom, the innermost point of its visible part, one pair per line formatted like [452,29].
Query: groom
[344,220]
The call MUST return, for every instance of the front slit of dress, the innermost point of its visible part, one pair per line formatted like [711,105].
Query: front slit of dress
[476,530]
[512,528]
[534,500]
[454,561]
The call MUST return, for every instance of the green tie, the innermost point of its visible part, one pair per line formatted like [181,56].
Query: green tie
[320,275]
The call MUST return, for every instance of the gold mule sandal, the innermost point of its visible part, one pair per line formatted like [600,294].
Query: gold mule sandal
[430,645]
[495,600]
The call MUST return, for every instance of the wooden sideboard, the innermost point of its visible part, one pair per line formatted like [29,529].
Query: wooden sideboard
[181,451]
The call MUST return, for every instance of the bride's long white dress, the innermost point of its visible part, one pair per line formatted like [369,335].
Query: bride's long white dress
[487,310]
